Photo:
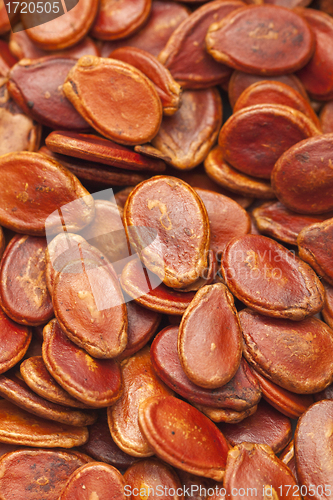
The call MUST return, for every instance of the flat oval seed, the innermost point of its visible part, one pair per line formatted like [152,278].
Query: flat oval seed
[265,276]
[267,344]
[290,404]
[140,383]
[154,475]
[27,181]
[127,120]
[314,245]
[255,466]
[16,391]
[209,339]
[241,393]
[17,426]
[276,220]
[326,118]
[265,132]
[23,292]
[261,39]
[183,437]
[167,88]
[102,448]
[95,382]
[18,131]
[100,150]
[240,81]
[63,31]
[185,53]
[172,210]
[163,20]
[36,86]
[120,19]
[31,474]
[187,136]
[90,308]
[288,458]
[313,449]
[266,426]
[14,342]
[36,376]
[302,178]
[272,92]
[94,481]
[159,298]
[228,177]
[227,219]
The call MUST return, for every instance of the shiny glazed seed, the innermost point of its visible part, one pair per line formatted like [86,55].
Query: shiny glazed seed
[209,339]
[266,277]
[183,437]
[267,344]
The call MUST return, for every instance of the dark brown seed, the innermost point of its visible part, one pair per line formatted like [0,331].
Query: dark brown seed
[261,39]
